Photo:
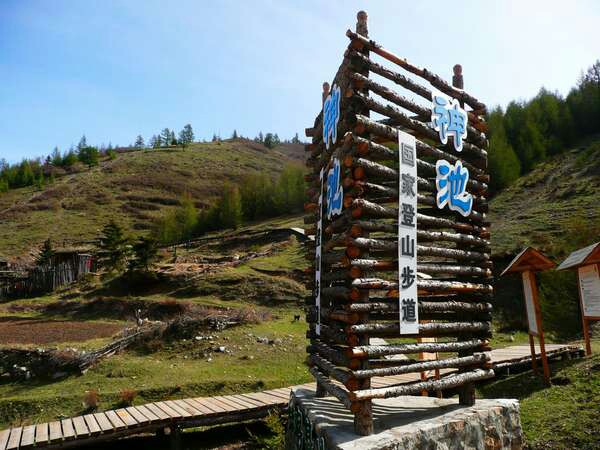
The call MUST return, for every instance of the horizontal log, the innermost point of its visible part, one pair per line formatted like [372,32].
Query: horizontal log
[423,221]
[375,169]
[361,60]
[477,359]
[435,80]
[334,390]
[382,265]
[424,114]
[336,356]
[371,351]
[343,376]
[333,335]
[390,133]
[425,329]
[391,305]
[422,250]
[449,382]
[365,208]
[420,128]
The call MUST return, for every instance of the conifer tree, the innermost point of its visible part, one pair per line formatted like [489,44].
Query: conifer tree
[144,250]
[46,254]
[113,247]
[139,142]
[165,136]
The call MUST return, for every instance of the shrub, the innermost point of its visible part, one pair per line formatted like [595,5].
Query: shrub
[91,399]
[126,397]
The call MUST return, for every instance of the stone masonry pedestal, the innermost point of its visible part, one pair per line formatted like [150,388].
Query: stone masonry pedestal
[404,423]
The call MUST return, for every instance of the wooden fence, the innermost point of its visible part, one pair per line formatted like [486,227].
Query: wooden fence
[40,280]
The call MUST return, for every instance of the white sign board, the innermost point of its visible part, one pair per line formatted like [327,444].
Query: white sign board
[529,303]
[589,287]
[407,234]
[318,245]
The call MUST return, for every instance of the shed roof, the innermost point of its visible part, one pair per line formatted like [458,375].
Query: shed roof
[529,259]
[582,257]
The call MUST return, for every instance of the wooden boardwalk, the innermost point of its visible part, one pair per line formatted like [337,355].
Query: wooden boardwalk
[203,411]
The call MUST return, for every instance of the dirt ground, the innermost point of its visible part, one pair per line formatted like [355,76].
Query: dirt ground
[17,330]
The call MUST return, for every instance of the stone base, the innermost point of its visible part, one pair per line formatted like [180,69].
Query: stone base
[404,423]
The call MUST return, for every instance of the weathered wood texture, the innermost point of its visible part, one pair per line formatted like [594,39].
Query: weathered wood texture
[359,282]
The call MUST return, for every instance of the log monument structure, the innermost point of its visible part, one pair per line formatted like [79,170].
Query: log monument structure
[397,206]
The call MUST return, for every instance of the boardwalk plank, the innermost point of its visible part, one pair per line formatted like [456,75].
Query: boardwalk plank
[28,436]
[126,417]
[257,403]
[55,432]
[118,424]
[103,422]
[149,414]
[92,425]
[14,439]
[199,406]
[138,416]
[41,434]
[4,434]
[178,409]
[80,426]
[242,401]
[265,399]
[237,405]
[68,431]
[214,405]
[157,411]
[169,411]
[194,412]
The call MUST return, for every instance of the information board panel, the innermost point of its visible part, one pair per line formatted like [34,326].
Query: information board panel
[589,287]
[529,302]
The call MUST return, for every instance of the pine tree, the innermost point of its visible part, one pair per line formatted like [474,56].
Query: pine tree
[56,158]
[172,138]
[89,156]
[187,134]
[144,251]
[45,254]
[261,138]
[504,164]
[165,136]
[155,141]
[139,142]
[82,143]
[230,207]
[234,135]
[112,247]
[296,139]
[214,138]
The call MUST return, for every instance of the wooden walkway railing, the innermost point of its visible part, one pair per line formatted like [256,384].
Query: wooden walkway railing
[203,411]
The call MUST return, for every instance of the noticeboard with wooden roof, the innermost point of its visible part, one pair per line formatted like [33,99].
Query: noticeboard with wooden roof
[527,262]
[397,202]
[587,263]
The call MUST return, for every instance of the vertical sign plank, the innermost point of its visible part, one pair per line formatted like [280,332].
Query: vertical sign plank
[407,234]
[318,245]
[589,288]
[529,303]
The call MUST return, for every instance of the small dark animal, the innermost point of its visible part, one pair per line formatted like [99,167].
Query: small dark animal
[297,318]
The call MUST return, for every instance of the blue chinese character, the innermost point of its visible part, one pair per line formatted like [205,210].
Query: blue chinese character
[451,182]
[447,117]
[335,192]
[331,116]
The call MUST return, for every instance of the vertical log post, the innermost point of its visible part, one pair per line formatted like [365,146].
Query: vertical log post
[538,318]
[363,419]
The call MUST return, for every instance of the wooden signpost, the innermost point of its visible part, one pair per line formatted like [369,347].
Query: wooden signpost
[397,201]
[527,263]
[587,263]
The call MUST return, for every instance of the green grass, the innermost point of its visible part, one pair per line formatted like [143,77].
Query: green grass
[563,415]
[543,207]
[177,371]
[133,189]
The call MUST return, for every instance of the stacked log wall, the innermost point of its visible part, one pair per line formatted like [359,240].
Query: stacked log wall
[359,267]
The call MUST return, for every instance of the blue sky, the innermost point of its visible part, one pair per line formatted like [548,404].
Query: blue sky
[114,69]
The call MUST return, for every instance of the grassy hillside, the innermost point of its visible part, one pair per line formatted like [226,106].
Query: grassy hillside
[555,207]
[133,189]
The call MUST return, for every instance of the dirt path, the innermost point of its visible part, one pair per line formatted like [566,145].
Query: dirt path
[16,330]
